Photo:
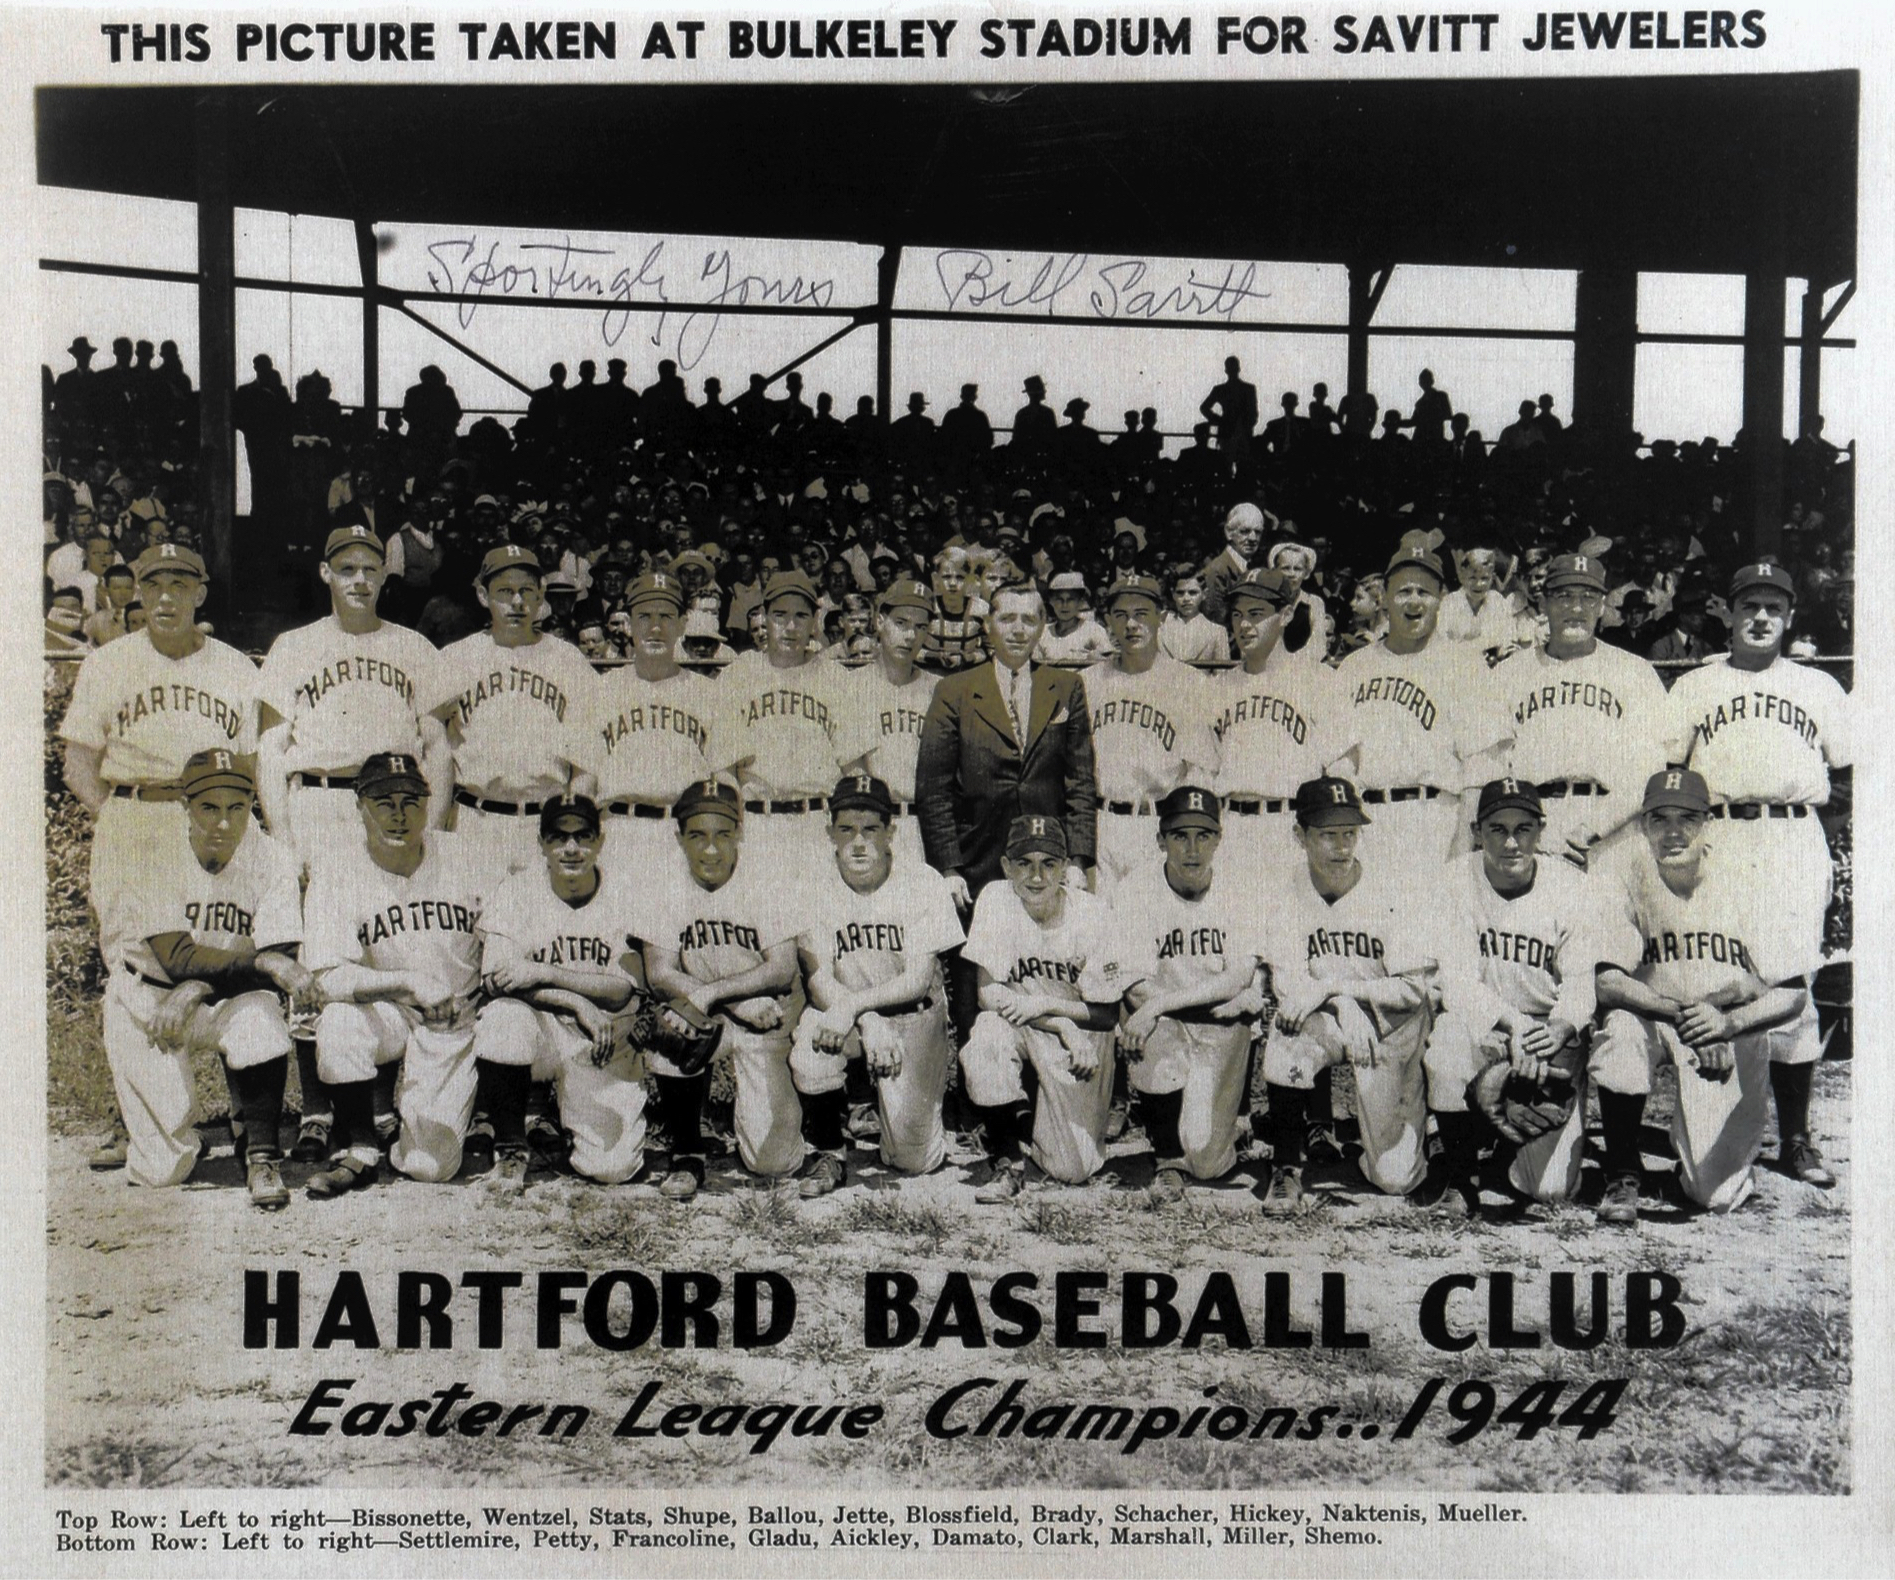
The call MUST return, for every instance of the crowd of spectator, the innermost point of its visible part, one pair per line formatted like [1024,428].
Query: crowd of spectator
[605,480]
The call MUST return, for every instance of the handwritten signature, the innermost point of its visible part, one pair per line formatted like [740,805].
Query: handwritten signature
[1115,289]
[558,269]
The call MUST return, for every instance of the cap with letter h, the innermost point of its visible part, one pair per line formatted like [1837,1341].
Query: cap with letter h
[1190,806]
[355,537]
[1329,802]
[708,795]
[861,793]
[1764,573]
[566,810]
[658,587]
[1575,570]
[1035,832]
[1676,787]
[507,557]
[1136,586]
[218,770]
[1497,794]
[162,557]
[906,594]
[1259,586]
[386,771]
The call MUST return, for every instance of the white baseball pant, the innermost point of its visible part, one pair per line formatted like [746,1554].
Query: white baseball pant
[914,1139]
[1547,1167]
[1389,1096]
[435,1095]
[1208,1061]
[1070,1114]
[602,1106]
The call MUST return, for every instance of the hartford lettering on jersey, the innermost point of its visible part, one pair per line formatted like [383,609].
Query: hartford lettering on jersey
[785,702]
[514,681]
[1261,709]
[1130,714]
[705,933]
[1585,694]
[1342,943]
[353,667]
[1759,707]
[660,718]
[1037,968]
[1400,692]
[1192,943]
[877,937]
[1521,949]
[1670,947]
[219,916]
[414,916]
[176,698]
[901,721]
[575,949]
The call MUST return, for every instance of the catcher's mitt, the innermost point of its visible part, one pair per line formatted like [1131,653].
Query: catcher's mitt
[1521,1109]
[673,1029]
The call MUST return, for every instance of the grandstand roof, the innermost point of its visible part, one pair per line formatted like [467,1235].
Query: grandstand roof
[1686,174]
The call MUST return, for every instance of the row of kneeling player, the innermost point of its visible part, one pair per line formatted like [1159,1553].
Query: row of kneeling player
[1493,1001]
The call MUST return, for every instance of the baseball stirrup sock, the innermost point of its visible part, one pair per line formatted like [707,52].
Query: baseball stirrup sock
[1005,1125]
[1791,1084]
[1161,1111]
[503,1093]
[316,1103]
[1322,1102]
[259,1101]
[1620,1115]
[1289,1117]
[824,1116]
[354,1129]
[680,1111]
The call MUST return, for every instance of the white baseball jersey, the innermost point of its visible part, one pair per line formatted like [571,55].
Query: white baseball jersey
[717,933]
[148,713]
[1728,931]
[429,921]
[1147,728]
[524,713]
[525,920]
[652,737]
[1768,736]
[1417,718]
[1172,941]
[882,722]
[788,722]
[255,897]
[1077,957]
[347,696]
[1534,952]
[865,939]
[1375,930]
[1602,717]
[1273,728]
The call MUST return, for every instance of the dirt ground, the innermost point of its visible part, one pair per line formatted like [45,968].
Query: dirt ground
[149,1383]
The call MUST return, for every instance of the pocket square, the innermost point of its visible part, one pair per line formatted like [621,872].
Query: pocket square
[1060,716]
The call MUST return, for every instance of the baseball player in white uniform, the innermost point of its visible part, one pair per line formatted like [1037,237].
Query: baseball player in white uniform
[1151,730]
[391,933]
[1050,983]
[139,708]
[878,925]
[1772,739]
[885,703]
[779,729]
[1703,965]
[198,953]
[654,728]
[718,931]
[333,693]
[554,970]
[1418,723]
[1517,988]
[519,707]
[1590,722]
[1353,965]
[1191,953]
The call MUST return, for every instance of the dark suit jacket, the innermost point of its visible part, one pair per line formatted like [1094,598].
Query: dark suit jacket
[972,778]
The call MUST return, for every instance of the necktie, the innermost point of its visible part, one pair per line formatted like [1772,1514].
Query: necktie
[1019,694]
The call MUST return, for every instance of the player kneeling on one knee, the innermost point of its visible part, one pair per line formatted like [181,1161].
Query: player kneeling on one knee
[871,957]
[1194,945]
[1517,984]
[555,971]
[391,933]
[1050,984]
[1352,961]
[199,956]
[1696,969]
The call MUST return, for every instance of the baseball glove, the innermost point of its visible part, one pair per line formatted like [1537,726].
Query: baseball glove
[673,1029]
[1521,1109]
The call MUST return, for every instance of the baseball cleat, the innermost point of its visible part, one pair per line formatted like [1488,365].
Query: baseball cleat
[387,1128]
[347,1174]
[479,1140]
[265,1180]
[824,1175]
[1167,1186]
[1285,1194]
[1801,1158]
[1443,1193]
[508,1177]
[1620,1202]
[1009,1179]
[684,1181]
[543,1136]
[312,1142]
[110,1153]
[1319,1147]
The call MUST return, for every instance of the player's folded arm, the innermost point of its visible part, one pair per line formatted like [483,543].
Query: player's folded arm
[227,972]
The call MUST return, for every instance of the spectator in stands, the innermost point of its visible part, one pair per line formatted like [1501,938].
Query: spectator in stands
[1187,633]
[1033,424]
[1231,410]
[1072,634]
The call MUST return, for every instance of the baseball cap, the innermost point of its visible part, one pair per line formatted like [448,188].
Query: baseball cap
[1575,570]
[569,808]
[862,793]
[1032,832]
[787,584]
[1142,586]
[1425,558]
[1259,586]
[387,770]
[656,587]
[1679,787]
[1522,794]
[218,770]
[1067,581]
[1189,806]
[708,795]
[1764,573]
[507,557]
[354,537]
[906,594]
[486,499]
[169,557]
[1327,801]
[694,557]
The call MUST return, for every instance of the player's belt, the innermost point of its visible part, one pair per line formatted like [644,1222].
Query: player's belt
[1400,793]
[629,808]
[345,781]
[1251,806]
[136,975]
[914,1006]
[1202,1016]
[813,803]
[1554,788]
[152,792]
[1750,811]
[507,808]
[1130,808]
